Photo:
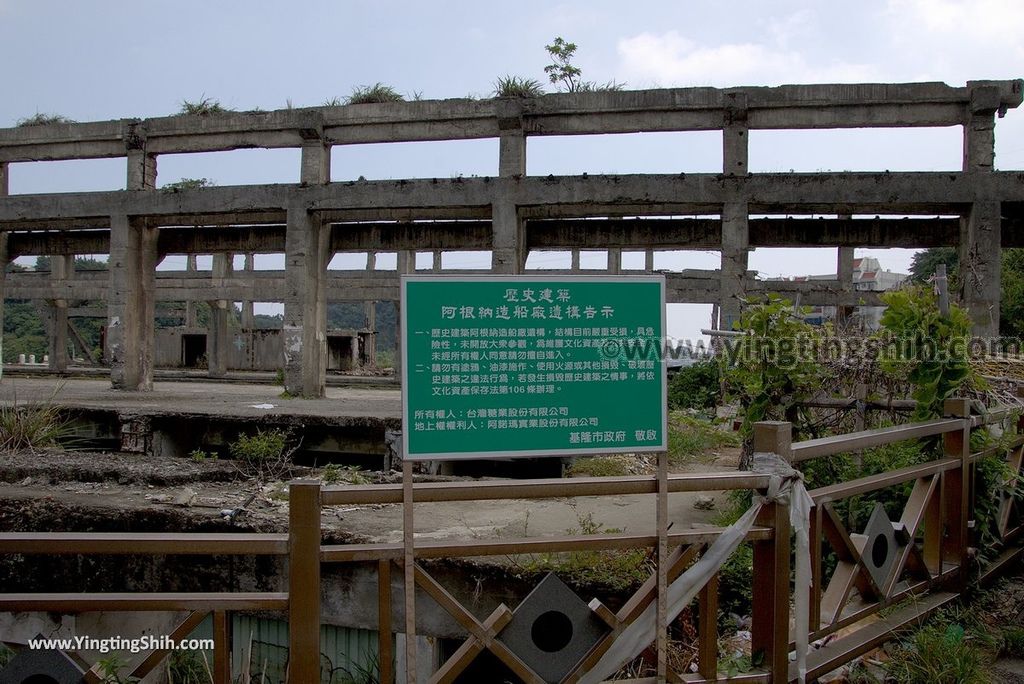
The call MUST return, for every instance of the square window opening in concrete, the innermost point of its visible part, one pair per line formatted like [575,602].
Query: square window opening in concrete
[204,262]
[348,261]
[424,261]
[856,149]
[268,262]
[620,153]
[236,167]
[268,315]
[73,175]
[465,260]
[685,321]
[633,260]
[173,262]
[385,261]
[794,262]
[593,260]
[685,259]
[548,260]
[442,159]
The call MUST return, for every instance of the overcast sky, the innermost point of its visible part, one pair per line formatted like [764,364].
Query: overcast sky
[113,59]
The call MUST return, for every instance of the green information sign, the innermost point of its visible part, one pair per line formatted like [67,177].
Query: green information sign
[524,366]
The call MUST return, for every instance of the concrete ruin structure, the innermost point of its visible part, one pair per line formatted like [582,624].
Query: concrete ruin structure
[977,209]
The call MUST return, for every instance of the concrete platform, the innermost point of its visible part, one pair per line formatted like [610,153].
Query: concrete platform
[235,400]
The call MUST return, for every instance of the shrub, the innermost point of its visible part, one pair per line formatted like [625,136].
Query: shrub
[263,455]
[515,86]
[376,93]
[188,667]
[204,106]
[695,387]
[41,119]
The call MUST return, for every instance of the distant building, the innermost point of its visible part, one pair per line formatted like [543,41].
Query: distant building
[868,276]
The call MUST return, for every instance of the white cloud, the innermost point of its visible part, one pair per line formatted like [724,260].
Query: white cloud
[670,59]
[978,20]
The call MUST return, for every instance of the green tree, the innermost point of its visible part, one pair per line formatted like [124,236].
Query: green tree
[562,70]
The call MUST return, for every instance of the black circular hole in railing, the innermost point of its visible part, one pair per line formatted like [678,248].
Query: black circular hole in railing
[551,631]
[880,550]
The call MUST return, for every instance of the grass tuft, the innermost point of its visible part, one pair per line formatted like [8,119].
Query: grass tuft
[204,106]
[374,94]
[32,425]
[516,86]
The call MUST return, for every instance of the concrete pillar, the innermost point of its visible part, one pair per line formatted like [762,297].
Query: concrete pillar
[649,260]
[248,316]
[406,265]
[218,339]
[844,274]
[130,303]
[190,306]
[370,323]
[218,342]
[735,135]
[508,251]
[614,261]
[512,153]
[435,263]
[305,304]
[141,170]
[61,268]
[574,260]
[4,259]
[981,229]
[316,163]
[735,244]
[508,246]
[511,139]
[980,263]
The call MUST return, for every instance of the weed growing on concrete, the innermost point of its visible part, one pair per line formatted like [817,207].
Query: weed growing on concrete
[600,466]
[620,570]
[333,102]
[188,184]
[200,455]
[376,93]
[692,439]
[333,473]
[32,425]
[204,106]
[516,86]
[41,119]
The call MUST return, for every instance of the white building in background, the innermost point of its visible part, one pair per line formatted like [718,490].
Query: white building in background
[868,276]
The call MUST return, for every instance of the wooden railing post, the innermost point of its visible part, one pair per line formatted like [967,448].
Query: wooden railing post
[956,488]
[303,581]
[770,610]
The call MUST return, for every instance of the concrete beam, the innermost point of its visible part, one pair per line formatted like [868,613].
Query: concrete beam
[799,106]
[926,193]
[131,302]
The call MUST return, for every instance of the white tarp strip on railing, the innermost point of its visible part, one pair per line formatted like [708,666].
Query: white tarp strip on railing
[785,484]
